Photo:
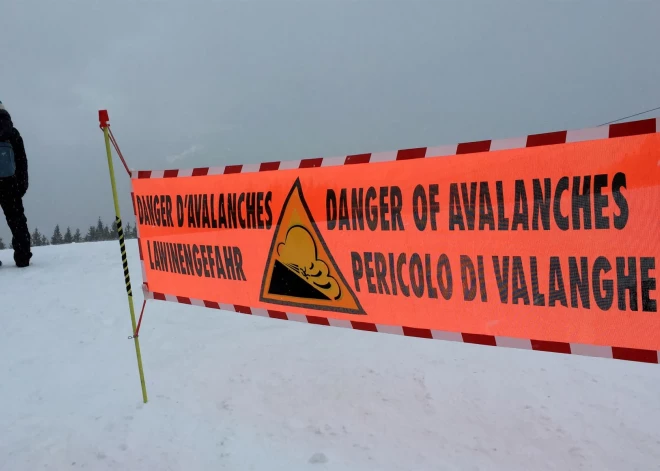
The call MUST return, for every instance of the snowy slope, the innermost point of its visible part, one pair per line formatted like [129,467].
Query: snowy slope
[229,391]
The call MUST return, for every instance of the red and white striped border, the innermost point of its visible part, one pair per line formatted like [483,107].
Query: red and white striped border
[617,353]
[647,126]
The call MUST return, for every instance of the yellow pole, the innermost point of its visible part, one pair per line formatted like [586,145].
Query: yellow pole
[122,246]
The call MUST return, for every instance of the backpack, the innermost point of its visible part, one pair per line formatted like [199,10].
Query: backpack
[7,160]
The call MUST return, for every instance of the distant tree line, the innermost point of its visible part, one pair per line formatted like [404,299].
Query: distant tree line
[97,233]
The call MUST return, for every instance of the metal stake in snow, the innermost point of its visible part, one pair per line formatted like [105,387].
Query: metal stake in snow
[103,120]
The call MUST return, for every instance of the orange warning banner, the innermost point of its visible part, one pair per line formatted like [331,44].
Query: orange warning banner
[556,243]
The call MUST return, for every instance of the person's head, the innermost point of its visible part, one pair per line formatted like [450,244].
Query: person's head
[6,124]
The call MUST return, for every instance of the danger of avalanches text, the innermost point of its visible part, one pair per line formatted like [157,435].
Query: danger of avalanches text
[575,281]
[251,210]
[471,206]
[207,261]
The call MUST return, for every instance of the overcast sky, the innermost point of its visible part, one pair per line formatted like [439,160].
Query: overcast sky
[200,83]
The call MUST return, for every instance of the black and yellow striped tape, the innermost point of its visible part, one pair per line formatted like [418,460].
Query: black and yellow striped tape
[124,260]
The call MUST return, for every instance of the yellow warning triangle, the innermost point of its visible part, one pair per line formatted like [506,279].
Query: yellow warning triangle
[300,270]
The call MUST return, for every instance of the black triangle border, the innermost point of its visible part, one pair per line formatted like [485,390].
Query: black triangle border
[297,185]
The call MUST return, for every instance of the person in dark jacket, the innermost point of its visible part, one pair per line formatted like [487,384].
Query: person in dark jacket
[12,190]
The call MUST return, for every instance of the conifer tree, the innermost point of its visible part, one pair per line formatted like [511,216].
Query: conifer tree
[101,230]
[77,237]
[2,244]
[36,238]
[57,238]
[91,234]
[68,237]
[44,240]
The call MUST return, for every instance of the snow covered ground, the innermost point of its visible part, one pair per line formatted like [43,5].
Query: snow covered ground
[235,392]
